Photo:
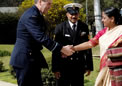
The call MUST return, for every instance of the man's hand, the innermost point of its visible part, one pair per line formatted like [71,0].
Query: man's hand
[87,73]
[67,50]
[57,75]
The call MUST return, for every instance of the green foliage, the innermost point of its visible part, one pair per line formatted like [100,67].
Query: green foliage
[6,18]
[1,66]
[46,74]
[48,77]
[55,15]
[4,53]
[10,3]
[8,24]
[90,80]
[5,47]
[103,4]
[113,3]
[12,72]
[24,6]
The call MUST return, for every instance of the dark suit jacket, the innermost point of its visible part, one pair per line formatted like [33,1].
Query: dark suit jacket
[30,38]
[64,35]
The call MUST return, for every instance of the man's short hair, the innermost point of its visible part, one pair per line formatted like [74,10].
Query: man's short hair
[35,1]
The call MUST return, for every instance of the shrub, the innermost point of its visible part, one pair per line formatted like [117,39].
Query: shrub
[12,72]
[1,66]
[8,23]
[4,53]
[48,77]
[55,15]
[24,6]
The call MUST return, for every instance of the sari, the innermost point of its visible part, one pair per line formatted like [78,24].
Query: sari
[115,64]
[107,39]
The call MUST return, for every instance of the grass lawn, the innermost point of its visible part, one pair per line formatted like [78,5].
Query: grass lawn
[6,76]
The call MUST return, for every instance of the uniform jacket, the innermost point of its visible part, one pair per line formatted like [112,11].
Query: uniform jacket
[64,35]
[29,40]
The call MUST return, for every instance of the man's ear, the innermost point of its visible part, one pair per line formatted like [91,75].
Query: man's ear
[39,1]
[66,14]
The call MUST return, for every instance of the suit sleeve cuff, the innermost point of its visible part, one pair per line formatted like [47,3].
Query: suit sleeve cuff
[57,48]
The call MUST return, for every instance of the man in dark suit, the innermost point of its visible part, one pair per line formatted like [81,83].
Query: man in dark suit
[70,71]
[26,58]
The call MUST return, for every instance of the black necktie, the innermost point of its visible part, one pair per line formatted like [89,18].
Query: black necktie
[73,27]
[74,32]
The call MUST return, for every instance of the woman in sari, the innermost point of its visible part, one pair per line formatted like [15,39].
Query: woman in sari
[111,36]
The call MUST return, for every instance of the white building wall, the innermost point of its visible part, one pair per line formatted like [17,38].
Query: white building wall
[8,9]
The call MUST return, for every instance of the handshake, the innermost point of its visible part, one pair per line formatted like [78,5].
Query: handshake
[67,50]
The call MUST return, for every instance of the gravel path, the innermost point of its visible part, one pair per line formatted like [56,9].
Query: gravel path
[2,83]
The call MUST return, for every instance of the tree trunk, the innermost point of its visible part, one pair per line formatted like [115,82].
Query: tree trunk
[97,14]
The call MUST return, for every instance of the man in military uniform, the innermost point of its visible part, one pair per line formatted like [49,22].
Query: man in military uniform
[26,58]
[70,71]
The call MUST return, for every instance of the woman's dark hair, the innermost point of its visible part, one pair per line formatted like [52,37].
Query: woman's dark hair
[114,12]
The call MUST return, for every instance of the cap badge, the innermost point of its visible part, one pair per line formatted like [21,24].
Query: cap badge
[73,6]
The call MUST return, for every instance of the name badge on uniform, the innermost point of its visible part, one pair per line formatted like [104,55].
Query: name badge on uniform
[83,33]
[67,35]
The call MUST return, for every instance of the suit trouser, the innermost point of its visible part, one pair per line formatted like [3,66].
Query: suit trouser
[28,76]
[72,74]
[71,80]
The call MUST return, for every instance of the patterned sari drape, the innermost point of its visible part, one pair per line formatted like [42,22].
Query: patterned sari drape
[111,38]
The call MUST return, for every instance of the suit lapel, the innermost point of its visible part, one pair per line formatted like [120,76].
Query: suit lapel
[70,31]
[78,31]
